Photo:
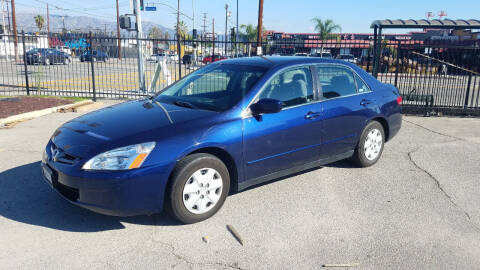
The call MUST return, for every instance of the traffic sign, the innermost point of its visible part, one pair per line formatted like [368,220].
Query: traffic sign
[150,8]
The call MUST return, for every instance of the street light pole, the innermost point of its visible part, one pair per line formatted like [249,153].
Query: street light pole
[4,31]
[259,30]
[141,69]
[179,48]
[236,35]
[119,42]
[14,22]
[226,29]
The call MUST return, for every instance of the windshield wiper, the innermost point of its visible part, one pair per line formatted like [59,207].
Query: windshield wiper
[184,104]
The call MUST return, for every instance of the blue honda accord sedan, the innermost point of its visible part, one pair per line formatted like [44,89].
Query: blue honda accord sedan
[225,127]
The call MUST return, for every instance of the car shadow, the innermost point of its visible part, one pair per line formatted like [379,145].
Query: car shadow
[26,198]
[345,164]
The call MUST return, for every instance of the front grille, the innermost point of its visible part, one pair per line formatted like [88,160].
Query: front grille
[59,155]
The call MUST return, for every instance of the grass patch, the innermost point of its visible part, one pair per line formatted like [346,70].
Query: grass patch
[74,99]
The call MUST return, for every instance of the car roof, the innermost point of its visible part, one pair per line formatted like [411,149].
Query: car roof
[272,61]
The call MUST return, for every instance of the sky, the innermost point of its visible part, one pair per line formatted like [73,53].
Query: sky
[292,16]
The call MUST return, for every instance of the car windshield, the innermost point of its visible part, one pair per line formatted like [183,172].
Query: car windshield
[346,56]
[216,87]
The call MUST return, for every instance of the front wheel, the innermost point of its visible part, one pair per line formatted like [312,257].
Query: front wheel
[198,188]
[370,146]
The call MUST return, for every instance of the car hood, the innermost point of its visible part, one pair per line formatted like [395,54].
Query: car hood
[120,125]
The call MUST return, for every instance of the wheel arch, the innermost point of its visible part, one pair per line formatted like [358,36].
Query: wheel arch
[221,154]
[385,125]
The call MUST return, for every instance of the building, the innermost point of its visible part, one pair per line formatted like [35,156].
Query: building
[7,44]
[360,44]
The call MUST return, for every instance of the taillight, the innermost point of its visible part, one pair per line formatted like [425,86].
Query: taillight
[399,99]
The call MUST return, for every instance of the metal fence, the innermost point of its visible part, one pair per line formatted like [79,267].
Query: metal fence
[435,77]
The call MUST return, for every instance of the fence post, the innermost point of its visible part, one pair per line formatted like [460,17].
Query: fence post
[397,65]
[25,63]
[92,66]
[467,94]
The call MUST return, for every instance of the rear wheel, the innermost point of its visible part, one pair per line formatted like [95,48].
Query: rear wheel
[198,188]
[370,146]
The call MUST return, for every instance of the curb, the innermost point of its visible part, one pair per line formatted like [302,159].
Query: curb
[34,114]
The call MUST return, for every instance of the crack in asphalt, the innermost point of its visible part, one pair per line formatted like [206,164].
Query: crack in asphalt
[436,181]
[436,132]
[182,258]
[440,187]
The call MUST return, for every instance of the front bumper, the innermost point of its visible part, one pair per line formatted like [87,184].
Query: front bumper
[120,193]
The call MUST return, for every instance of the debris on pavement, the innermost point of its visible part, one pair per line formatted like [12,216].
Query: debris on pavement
[205,239]
[235,234]
[341,265]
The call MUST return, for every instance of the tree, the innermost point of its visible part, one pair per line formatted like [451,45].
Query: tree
[249,33]
[155,33]
[182,29]
[325,28]
[39,21]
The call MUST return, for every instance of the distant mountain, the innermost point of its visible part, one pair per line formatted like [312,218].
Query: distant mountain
[26,22]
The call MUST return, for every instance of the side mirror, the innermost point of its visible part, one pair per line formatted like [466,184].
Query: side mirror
[266,105]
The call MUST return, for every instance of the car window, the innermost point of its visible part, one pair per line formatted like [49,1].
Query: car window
[215,87]
[215,81]
[336,81]
[362,87]
[293,87]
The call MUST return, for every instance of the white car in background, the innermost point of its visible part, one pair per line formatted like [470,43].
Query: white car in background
[64,49]
[173,57]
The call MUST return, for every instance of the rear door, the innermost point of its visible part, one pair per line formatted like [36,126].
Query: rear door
[347,103]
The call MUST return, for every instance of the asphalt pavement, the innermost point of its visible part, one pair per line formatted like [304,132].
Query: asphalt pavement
[417,208]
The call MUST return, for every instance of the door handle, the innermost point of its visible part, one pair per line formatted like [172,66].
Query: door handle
[311,115]
[365,102]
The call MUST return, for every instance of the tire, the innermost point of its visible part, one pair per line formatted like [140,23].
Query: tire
[368,152]
[183,183]
[46,62]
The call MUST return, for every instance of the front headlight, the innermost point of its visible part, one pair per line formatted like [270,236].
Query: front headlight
[123,158]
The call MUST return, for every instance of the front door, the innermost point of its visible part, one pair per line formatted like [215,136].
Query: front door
[289,138]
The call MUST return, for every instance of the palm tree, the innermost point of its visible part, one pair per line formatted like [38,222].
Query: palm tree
[249,33]
[155,33]
[39,21]
[325,28]
[182,29]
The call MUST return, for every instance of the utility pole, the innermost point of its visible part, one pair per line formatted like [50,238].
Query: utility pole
[141,69]
[179,48]
[204,23]
[260,28]
[63,22]
[213,38]
[193,29]
[236,35]
[5,32]
[8,17]
[15,38]
[48,26]
[118,35]
[226,29]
